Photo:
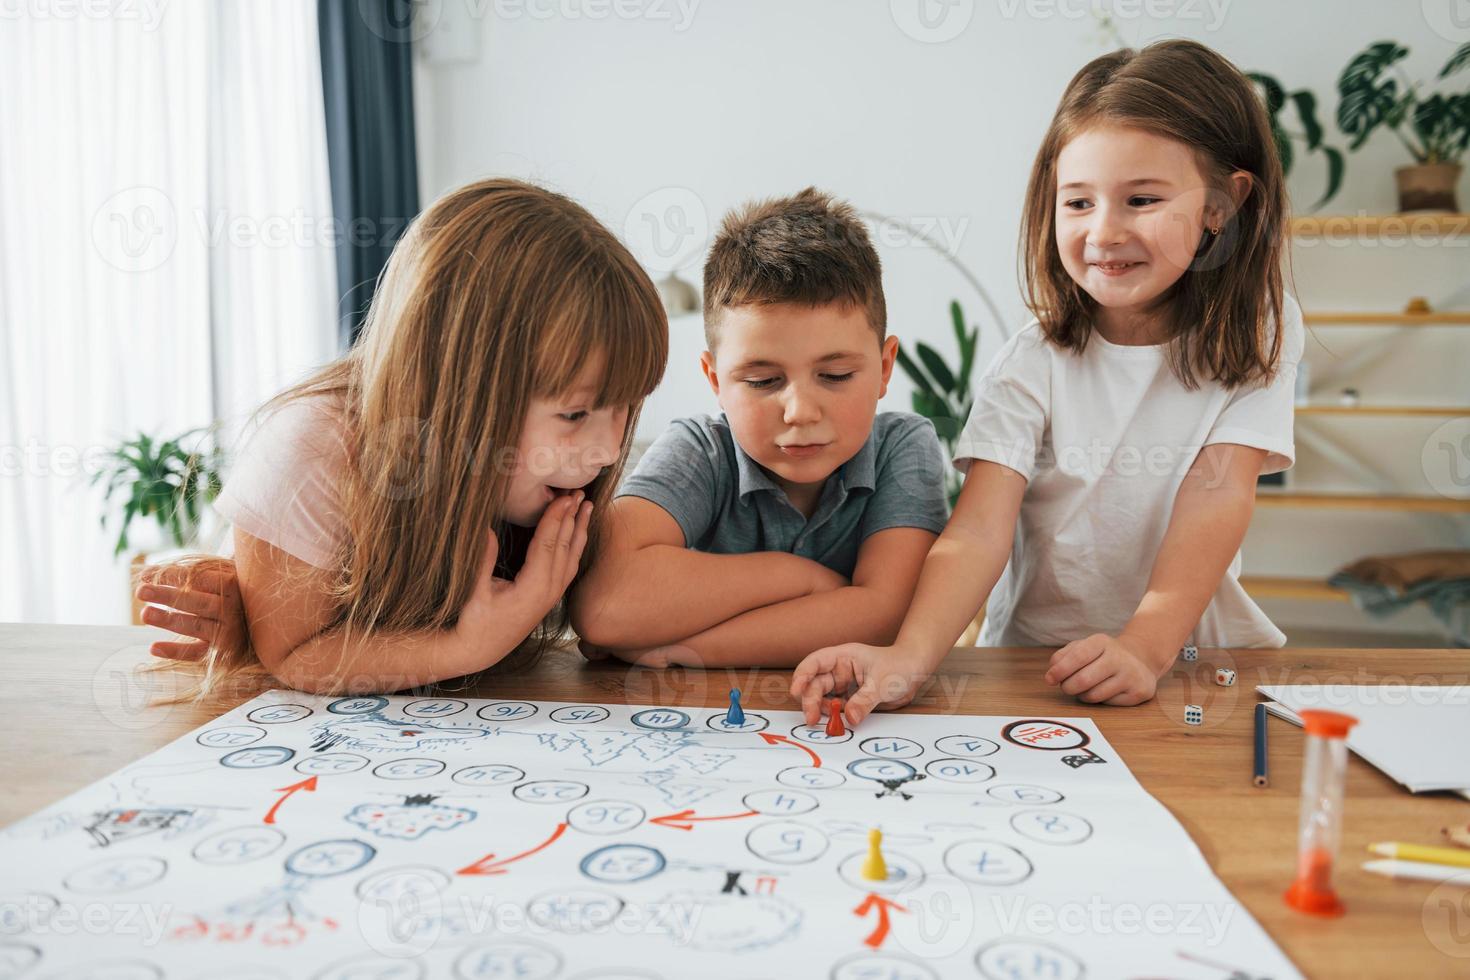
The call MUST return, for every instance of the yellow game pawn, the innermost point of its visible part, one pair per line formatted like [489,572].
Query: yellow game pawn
[874,867]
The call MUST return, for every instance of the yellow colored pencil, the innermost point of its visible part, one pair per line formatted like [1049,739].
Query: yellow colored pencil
[1453,856]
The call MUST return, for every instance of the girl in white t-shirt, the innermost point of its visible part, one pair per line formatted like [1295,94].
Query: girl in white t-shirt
[1112,452]
[416,510]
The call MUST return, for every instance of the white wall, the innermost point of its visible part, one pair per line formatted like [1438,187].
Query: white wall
[694,106]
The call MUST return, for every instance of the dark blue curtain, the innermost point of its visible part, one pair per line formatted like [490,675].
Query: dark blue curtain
[367,83]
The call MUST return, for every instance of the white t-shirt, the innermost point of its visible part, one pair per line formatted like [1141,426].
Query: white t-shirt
[284,488]
[1104,440]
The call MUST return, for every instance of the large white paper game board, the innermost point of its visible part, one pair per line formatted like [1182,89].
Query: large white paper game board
[394,837]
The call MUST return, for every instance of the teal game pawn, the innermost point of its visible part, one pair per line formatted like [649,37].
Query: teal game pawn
[735,717]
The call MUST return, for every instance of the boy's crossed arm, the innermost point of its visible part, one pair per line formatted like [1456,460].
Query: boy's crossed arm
[651,600]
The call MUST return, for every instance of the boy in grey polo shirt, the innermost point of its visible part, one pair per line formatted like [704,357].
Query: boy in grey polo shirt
[799,517]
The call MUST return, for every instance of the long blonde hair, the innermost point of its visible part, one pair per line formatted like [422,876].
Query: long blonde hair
[499,292]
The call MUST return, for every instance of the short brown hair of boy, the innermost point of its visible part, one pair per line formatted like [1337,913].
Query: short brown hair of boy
[809,248]
[1220,312]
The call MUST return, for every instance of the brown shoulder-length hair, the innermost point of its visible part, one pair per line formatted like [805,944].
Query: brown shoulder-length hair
[499,292]
[1220,317]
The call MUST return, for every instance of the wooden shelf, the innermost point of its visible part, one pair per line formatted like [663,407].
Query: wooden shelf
[1362,319]
[1284,587]
[1363,501]
[1382,225]
[1436,411]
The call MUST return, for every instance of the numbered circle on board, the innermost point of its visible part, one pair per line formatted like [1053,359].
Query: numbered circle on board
[507,711]
[810,777]
[434,707]
[397,887]
[1026,959]
[331,764]
[1025,794]
[574,911]
[622,864]
[372,966]
[787,842]
[580,714]
[661,719]
[817,735]
[986,862]
[1051,826]
[238,845]
[278,714]
[550,791]
[230,736]
[966,746]
[605,816]
[881,770]
[408,768]
[904,872]
[504,959]
[328,858]
[115,875]
[780,802]
[110,970]
[960,770]
[887,747]
[257,757]
[490,774]
[752,723]
[881,966]
[357,706]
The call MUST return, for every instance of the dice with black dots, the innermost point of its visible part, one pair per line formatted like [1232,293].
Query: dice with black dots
[1194,714]
[1224,676]
[1190,652]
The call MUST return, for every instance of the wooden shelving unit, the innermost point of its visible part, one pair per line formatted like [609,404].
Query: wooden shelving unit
[1361,319]
[1379,225]
[1427,411]
[1266,497]
[1415,229]
[1286,587]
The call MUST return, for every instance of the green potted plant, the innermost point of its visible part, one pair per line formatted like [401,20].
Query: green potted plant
[942,394]
[1304,104]
[168,480]
[1434,128]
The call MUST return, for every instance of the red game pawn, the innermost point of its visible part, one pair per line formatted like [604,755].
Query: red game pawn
[834,718]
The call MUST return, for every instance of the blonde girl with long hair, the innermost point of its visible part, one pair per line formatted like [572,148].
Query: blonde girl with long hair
[416,510]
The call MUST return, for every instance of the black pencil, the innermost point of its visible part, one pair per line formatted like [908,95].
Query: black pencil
[1260,778]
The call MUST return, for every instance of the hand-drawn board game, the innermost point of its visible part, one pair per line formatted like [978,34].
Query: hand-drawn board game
[397,838]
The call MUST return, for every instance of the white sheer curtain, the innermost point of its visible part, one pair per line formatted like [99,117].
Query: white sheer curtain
[166,257]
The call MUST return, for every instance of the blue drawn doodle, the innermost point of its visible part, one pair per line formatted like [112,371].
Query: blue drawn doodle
[374,732]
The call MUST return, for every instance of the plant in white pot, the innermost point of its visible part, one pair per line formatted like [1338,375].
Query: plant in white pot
[1434,128]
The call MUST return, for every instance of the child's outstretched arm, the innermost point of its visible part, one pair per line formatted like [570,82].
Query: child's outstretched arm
[1212,510]
[959,572]
[869,610]
[290,613]
[647,588]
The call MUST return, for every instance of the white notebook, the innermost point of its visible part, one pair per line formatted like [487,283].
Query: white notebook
[1417,735]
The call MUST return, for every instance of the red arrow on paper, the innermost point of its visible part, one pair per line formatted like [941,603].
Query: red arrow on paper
[685,819]
[782,739]
[880,931]
[487,865]
[307,784]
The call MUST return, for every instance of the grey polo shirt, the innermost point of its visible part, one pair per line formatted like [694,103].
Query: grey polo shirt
[727,504]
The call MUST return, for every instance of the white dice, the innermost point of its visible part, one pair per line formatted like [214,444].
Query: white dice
[1190,652]
[1224,676]
[1194,714]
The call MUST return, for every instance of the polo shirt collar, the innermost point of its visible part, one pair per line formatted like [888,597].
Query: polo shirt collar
[859,472]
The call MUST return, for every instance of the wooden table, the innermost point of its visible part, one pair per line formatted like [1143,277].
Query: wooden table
[75,710]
